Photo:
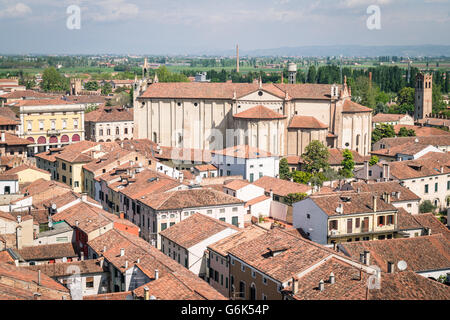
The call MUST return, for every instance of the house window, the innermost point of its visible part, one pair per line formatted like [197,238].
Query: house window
[357,222]
[333,225]
[75,123]
[448,185]
[242,268]
[264,280]
[436,187]
[234,221]
[381,221]
[390,219]
[89,282]
[308,216]
[209,211]
[163,226]
[252,178]
[426,188]
[64,124]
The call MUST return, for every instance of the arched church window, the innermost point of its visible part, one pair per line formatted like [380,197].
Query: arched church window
[155,137]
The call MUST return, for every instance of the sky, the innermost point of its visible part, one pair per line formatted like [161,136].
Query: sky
[203,26]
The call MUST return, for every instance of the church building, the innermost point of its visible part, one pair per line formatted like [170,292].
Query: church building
[279,118]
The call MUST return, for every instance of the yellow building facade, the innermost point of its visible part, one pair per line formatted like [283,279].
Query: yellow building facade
[51,123]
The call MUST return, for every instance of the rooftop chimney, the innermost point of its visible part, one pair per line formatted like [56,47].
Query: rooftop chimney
[398,194]
[82,255]
[366,170]
[367,257]
[156,274]
[374,203]
[126,264]
[76,223]
[390,267]
[294,285]
[321,285]
[358,190]
[39,277]
[3,137]
[332,278]
[122,252]
[146,293]
[104,249]
[19,219]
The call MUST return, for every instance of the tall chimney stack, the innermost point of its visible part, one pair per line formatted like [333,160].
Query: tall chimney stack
[237,58]
[146,293]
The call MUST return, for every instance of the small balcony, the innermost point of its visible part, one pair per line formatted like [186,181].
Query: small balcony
[53,132]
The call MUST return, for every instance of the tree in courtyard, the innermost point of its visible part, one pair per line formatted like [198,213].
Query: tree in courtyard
[426,207]
[348,165]
[294,197]
[315,158]
[373,160]
[285,174]
[383,131]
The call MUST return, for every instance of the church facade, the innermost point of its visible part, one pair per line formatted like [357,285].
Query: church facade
[280,118]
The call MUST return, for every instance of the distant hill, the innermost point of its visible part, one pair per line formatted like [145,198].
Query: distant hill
[345,50]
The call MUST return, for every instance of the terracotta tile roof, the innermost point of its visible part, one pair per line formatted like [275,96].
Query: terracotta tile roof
[74,157]
[406,221]
[126,295]
[293,159]
[293,254]
[244,152]
[191,198]
[259,112]
[398,192]
[205,167]
[408,285]
[106,159]
[411,148]
[195,229]
[411,250]
[194,155]
[351,107]
[349,285]
[187,174]
[89,217]
[352,202]
[29,276]
[236,184]
[306,122]
[335,157]
[429,221]
[48,252]
[306,91]
[422,131]
[434,140]
[71,149]
[22,94]
[145,147]
[9,113]
[422,167]
[434,121]
[40,185]
[109,114]
[256,200]
[64,269]
[13,140]
[8,177]
[4,121]
[179,286]
[87,99]
[7,215]
[387,117]
[42,102]
[5,257]
[24,167]
[281,187]
[249,233]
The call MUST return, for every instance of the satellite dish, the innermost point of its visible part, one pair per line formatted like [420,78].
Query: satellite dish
[53,206]
[402,265]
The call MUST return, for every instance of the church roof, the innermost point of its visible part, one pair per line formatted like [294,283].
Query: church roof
[306,122]
[229,90]
[259,112]
[350,107]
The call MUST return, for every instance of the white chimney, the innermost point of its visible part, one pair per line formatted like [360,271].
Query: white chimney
[126,264]
[19,219]
[374,198]
[82,255]
[122,252]
[367,257]
[3,137]
[39,277]
[76,223]
[156,274]
[321,285]
[146,293]
[332,278]
[294,285]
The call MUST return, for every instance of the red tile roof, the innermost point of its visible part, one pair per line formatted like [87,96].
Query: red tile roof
[259,112]
[306,122]
[109,114]
[281,187]
[352,107]
[236,184]
[422,131]
[195,229]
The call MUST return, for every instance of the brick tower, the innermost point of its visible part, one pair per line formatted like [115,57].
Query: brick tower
[424,96]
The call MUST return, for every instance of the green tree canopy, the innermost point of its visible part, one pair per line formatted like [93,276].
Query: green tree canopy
[106,88]
[52,80]
[383,131]
[301,177]
[285,173]
[426,206]
[348,165]
[404,132]
[91,86]
[373,160]
[294,197]
[315,158]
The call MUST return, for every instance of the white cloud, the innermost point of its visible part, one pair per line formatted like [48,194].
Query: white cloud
[15,11]
[112,10]
[359,3]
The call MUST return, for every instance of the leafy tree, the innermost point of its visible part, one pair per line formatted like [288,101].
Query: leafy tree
[438,102]
[164,75]
[348,165]
[285,173]
[90,107]
[382,131]
[312,75]
[373,160]
[301,177]
[403,132]
[106,88]
[52,80]
[294,197]
[406,96]
[315,158]
[91,86]
[426,206]
[381,108]
[363,93]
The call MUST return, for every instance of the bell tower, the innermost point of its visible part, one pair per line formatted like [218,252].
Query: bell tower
[423,106]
